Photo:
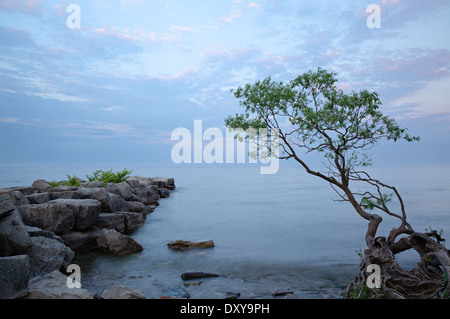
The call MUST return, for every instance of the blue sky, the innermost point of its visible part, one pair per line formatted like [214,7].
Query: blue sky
[112,91]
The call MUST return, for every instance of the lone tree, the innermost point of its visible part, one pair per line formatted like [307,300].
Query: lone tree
[309,114]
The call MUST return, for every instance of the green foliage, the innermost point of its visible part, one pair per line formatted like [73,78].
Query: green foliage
[322,117]
[106,177]
[53,183]
[73,181]
[360,290]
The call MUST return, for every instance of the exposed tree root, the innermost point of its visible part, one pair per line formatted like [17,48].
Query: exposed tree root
[429,279]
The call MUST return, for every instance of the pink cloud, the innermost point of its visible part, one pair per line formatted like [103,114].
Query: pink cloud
[28,6]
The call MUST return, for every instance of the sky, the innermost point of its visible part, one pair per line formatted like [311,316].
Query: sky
[112,89]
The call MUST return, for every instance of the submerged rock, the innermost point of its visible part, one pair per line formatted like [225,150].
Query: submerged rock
[196,275]
[176,292]
[185,244]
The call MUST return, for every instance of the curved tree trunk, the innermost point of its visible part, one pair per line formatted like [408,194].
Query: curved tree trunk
[429,279]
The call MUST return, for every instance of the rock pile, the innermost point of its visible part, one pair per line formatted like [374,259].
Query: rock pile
[42,227]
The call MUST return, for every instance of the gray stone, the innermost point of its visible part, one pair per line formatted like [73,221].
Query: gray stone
[54,286]
[26,190]
[117,203]
[136,207]
[67,194]
[85,211]
[48,254]
[93,184]
[149,194]
[132,220]
[38,198]
[186,244]
[163,192]
[18,198]
[42,185]
[175,292]
[47,216]
[114,221]
[38,232]
[81,241]
[14,276]
[112,241]
[122,292]
[14,239]
[122,189]
[6,204]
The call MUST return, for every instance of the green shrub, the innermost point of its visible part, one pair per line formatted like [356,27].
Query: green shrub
[106,177]
[53,183]
[73,181]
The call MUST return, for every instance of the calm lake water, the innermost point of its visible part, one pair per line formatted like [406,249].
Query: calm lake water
[281,231]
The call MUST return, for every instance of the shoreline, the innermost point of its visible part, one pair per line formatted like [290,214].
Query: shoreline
[43,227]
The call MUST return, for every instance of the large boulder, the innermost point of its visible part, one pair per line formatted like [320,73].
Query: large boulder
[48,254]
[42,185]
[122,292]
[6,204]
[112,241]
[14,276]
[81,241]
[111,221]
[14,238]
[18,198]
[54,286]
[47,216]
[85,211]
[132,220]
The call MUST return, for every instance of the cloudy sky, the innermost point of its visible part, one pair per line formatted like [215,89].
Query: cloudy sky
[113,90]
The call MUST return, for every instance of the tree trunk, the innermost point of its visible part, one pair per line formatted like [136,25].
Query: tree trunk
[429,279]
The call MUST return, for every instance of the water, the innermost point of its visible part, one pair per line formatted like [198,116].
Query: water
[281,231]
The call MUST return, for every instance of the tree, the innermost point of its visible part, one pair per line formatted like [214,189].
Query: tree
[310,114]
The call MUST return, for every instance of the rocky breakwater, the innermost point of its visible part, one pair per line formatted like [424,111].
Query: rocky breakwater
[42,227]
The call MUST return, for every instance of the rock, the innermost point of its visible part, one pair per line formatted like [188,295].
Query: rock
[6,204]
[99,194]
[232,295]
[25,190]
[64,194]
[148,193]
[116,204]
[47,216]
[14,276]
[93,184]
[122,292]
[18,198]
[175,292]
[81,241]
[54,286]
[37,232]
[42,185]
[282,292]
[132,220]
[196,275]
[46,255]
[38,198]
[136,207]
[85,211]
[163,192]
[185,244]
[112,241]
[14,239]
[161,182]
[122,189]
[114,221]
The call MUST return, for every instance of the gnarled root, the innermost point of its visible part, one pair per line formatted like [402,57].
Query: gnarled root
[429,279]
